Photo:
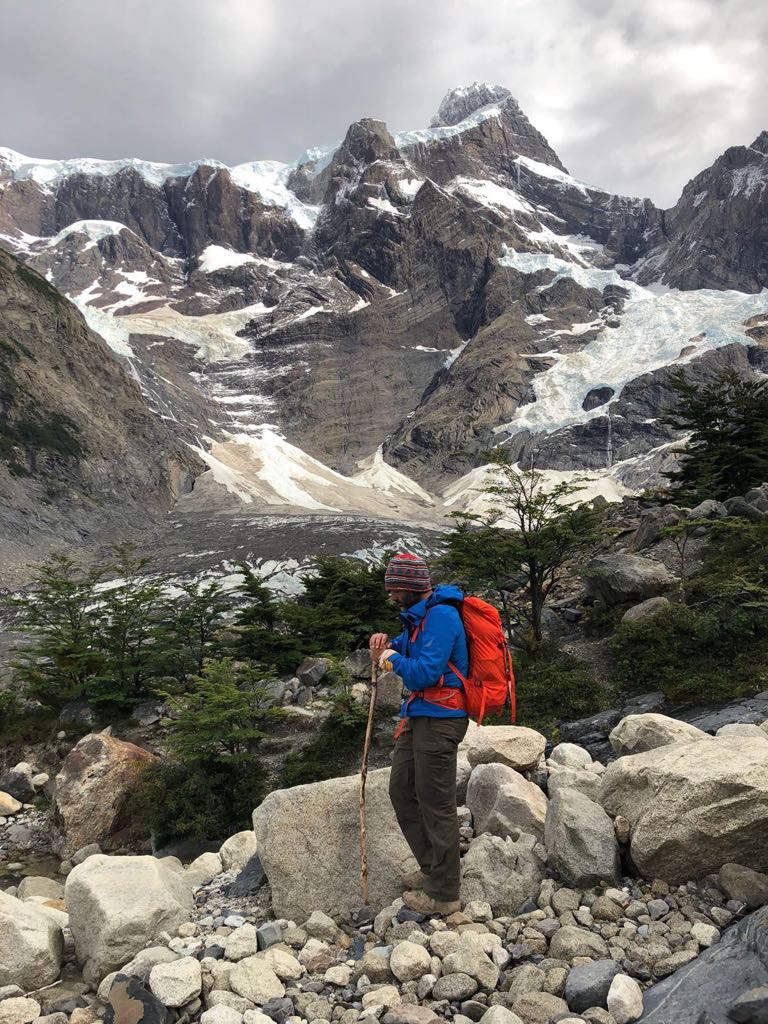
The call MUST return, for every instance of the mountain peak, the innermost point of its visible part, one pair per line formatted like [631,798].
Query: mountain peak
[464,100]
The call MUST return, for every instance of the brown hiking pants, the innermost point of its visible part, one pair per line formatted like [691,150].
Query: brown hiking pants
[422,788]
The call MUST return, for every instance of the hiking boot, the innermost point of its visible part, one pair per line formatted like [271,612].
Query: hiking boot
[414,879]
[423,903]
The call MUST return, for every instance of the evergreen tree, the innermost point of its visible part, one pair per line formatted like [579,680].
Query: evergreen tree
[130,618]
[343,603]
[727,450]
[191,628]
[262,634]
[62,656]
[213,778]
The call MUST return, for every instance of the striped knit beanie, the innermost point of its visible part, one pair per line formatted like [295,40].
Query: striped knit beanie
[407,572]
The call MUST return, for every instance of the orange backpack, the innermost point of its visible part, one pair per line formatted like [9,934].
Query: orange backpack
[490,681]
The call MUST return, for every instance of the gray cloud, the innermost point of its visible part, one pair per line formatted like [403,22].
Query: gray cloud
[637,96]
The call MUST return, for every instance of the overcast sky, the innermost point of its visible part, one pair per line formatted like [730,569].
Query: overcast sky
[636,96]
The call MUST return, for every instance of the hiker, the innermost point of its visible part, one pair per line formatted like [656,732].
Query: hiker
[422,785]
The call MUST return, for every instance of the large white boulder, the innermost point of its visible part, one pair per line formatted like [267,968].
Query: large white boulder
[93,789]
[580,840]
[309,845]
[693,807]
[513,745]
[638,733]
[31,945]
[117,905]
[502,801]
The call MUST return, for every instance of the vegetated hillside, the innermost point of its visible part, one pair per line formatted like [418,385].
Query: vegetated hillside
[81,455]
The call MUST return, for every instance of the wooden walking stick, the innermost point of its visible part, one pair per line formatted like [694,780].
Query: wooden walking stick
[363,774]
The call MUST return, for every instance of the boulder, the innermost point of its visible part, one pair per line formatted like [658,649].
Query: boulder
[93,790]
[588,984]
[693,807]
[409,961]
[177,983]
[389,691]
[580,840]
[255,980]
[238,850]
[117,905]
[502,802]
[625,999]
[744,885]
[621,578]
[312,670]
[358,664]
[204,869]
[705,989]
[646,609]
[309,846]
[570,755]
[17,782]
[471,959]
[19,1010]
[38,885]
[9,805]
[130,1002]
[463,773]
[569,942]
[503,872]
[31,945]
[513,745]
[638,733]
[709,509]
[745,509]
[742,729]
[584,781]
[540,1007]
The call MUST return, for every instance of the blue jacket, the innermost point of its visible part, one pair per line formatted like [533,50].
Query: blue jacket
[421,664]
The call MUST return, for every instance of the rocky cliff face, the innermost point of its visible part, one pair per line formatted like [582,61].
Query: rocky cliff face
[427,293]
[80,451]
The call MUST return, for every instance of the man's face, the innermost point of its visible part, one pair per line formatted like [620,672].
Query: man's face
[403,598]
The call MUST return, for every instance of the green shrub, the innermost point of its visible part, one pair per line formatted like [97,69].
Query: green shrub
[552,687]
[693,654]
[201,800]
[213,778]
[338,742]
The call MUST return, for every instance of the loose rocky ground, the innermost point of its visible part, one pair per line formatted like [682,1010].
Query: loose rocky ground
[557,922]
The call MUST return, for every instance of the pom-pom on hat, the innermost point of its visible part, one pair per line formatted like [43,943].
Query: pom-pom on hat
[408,572]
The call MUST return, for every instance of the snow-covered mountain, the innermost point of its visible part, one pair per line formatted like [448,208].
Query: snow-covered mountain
[344,334]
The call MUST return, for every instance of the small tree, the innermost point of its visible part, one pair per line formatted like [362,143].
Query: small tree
[343,603]
[262,634]
[680,534]
[481,556]
[213,778]
[727,451]
[62,656]
[192,622]
[543,534]
[223,717]
[130,614]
